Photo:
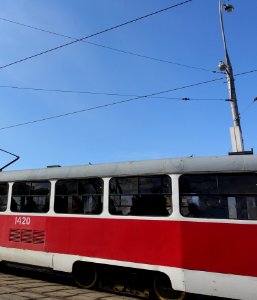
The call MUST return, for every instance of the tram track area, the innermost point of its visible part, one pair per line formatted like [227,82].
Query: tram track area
[23,284]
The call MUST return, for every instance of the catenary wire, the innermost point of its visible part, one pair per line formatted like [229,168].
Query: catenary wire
[106,94]
[246,72]
[95,34]
[112,48]
[123,101]
[246,109]
[111,104]
[250,104]
[113,94]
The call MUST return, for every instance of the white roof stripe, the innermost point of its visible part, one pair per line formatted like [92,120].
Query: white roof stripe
[233,163]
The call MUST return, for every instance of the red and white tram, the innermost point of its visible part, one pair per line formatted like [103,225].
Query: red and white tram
[187,224]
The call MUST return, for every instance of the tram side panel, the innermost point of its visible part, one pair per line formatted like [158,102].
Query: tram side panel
[22,237]
[220,247]
[149,242]
[211,252]
[219,259]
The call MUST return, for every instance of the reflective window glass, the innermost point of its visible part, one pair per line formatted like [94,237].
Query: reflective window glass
[79,196]
[30,196]
[219,196]
[140,195]
[3,196]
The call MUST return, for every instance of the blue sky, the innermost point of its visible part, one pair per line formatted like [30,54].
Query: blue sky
[147,128]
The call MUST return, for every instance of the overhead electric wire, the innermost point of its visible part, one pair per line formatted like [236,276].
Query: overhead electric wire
[250,104]
[106,94]
[125,101]
[246,109]
[112,103]
[65,91]
[110,94]
[246,72]
[113,94]
[112,48]
[94,34]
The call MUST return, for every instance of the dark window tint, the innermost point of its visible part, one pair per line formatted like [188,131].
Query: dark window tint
[30,196]
[219,196]
[140,195]
[3,196]
[80,196]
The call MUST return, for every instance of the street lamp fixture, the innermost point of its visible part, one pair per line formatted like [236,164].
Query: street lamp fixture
[235,131]
[228,7]
[222,66]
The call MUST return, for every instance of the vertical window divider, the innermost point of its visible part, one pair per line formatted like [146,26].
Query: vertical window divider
[9,196]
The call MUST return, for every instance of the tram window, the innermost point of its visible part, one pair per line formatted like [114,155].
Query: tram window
[3,196]
[238,184]
[79,196]
[30,196]
[219,196]
[140,196]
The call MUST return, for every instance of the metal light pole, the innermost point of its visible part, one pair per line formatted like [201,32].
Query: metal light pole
[235,131]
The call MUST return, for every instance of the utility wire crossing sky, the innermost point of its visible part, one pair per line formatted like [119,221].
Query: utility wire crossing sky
[95,34]
[172,49]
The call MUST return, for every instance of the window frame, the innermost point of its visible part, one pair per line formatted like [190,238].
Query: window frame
[132,198]
[89,204]
[232,202]
[5,197]
[30,201]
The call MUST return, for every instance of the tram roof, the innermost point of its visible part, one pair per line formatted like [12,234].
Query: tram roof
[211,164]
